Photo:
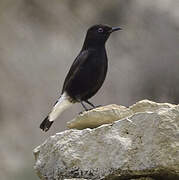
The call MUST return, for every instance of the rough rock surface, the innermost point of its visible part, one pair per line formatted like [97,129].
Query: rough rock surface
[110,113]
[142,143]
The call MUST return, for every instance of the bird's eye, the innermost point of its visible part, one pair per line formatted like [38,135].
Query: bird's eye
[100,30]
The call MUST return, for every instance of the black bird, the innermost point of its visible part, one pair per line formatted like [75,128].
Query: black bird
[86,74]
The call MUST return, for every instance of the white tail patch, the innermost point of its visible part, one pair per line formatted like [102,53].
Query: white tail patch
[62,104]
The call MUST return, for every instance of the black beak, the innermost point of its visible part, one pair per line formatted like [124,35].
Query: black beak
[115,29]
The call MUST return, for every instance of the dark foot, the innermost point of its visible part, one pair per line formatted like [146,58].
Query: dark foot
[89,109]
[92,105]
[81,112]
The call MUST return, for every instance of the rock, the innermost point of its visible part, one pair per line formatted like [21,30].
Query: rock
[98,116]
[110,113]
[142,144]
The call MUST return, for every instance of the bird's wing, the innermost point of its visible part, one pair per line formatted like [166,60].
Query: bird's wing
[75,67]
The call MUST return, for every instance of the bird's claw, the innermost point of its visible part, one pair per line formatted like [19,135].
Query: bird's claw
[81,112]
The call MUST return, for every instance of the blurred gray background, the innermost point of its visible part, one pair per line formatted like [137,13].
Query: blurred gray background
[39,40]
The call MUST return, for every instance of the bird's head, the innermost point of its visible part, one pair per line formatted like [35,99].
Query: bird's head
[98,34]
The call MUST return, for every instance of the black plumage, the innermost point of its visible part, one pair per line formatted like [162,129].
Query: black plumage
[89,69]
[86,74]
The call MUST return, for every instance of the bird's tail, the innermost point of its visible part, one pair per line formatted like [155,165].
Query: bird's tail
[62,104]
[46,124]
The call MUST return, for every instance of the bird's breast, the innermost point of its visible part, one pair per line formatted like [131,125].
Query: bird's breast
[95,67]
[90,76]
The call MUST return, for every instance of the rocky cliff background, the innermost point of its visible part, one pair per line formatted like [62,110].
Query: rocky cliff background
[39,40]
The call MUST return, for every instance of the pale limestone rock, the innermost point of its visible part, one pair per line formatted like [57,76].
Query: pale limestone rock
[110,113]
[98,116]
[149,106]
[144,144]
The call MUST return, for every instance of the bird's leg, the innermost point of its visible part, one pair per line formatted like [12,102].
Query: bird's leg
[90,103]
[86,109]
[93,106]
